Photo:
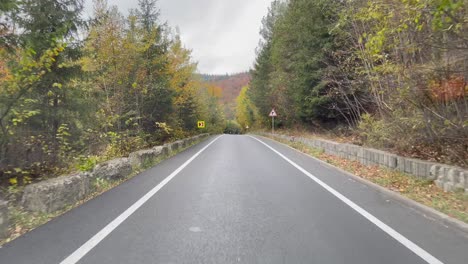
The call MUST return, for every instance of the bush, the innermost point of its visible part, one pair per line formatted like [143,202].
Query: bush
[87,163]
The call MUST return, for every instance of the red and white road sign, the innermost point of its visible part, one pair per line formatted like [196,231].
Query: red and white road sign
[272,113]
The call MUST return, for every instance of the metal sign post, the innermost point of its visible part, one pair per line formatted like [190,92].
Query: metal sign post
[273,114]
[272,124]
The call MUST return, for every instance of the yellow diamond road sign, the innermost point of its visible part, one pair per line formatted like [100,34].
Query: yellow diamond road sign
[201,124]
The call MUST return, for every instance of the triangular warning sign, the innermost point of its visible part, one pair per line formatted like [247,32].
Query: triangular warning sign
[273,113]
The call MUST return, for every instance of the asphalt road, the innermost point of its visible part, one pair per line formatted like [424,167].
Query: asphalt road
[234,199]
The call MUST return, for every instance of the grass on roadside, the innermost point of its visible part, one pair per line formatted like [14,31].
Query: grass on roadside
[454,204]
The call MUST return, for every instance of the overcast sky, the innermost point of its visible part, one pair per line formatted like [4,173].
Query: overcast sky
[222,34]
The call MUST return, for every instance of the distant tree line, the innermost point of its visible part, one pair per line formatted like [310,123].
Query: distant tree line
[75,91]
[220,77]
[393,71]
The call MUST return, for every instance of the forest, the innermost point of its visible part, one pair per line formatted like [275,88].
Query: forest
[230,85]
[390,74]
[75,91]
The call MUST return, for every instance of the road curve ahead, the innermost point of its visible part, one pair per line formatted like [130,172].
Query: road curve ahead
[241,199]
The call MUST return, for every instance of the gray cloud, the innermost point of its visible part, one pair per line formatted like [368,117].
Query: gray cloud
[222,34]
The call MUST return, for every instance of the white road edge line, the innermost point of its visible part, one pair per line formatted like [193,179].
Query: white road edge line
[92,242]
[384,227]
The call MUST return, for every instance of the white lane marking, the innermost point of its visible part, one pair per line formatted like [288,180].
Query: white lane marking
[384,227]
[92,242]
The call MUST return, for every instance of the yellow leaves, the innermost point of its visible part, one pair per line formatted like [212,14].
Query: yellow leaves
[180,66]
[58,85]
[13,181]
[88,64]
[246,112]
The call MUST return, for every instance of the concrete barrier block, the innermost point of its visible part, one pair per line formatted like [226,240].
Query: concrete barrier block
[453,175]
[434,171]
[448,187]
[113,169]
[374,157]
[55,194]
[371,157]
[324,144]
[392,161]
[316,142]
[312,143]
[420,169]
[362,156]
[385,160]
[400,164]
[441,174]
[365,157]
[360,152]
[408,166]
[3,219]
[382,158]
[355,150]
[461,182]
[464,178]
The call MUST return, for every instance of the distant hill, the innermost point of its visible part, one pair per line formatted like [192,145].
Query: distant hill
[231,86]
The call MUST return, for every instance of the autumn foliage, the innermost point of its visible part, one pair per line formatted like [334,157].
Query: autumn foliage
[230,86]
[86,91]
[446,90]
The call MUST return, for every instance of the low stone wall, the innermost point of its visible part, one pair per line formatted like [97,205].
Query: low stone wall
[144,158]
[3,219]
[450,178]
[57,193]
[115,169]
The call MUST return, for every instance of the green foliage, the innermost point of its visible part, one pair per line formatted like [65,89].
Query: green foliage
[385,67]
[289,71]
[261,90]
[374,131]
[87,163]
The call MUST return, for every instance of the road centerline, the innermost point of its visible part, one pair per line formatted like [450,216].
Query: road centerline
[104,232]
[426,256]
